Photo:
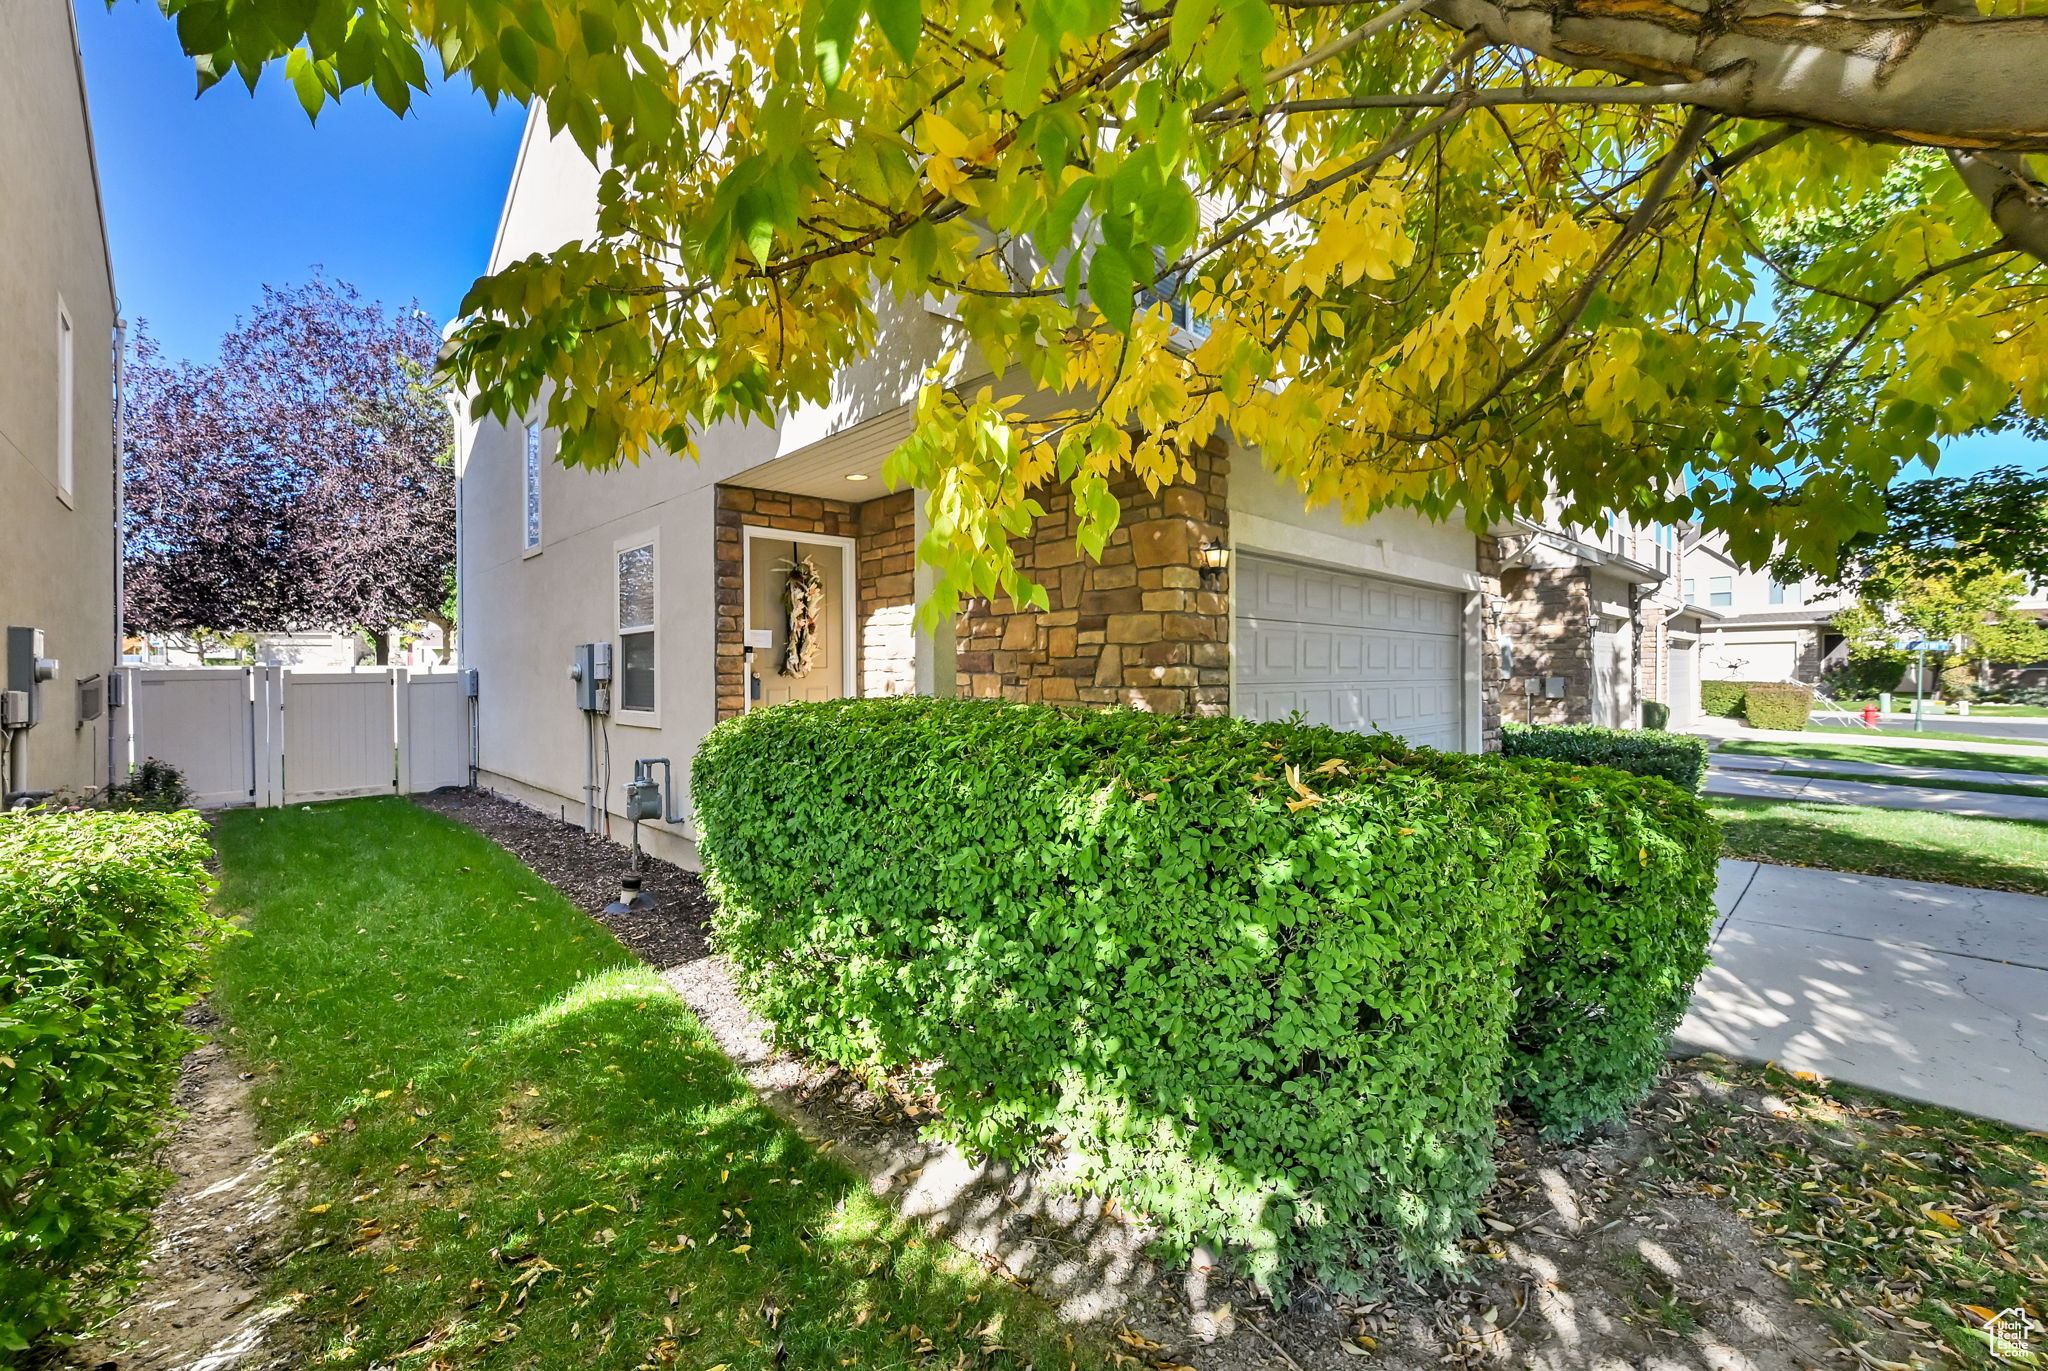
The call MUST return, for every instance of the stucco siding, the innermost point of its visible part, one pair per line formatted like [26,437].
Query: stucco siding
[56,547]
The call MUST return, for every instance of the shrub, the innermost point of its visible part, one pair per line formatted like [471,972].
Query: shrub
[103,928]
[1722,699]
[1777,706]
[1656,715]
[155,785]
[1628,910]
[1861,679]
[1257,978]
[1679,758]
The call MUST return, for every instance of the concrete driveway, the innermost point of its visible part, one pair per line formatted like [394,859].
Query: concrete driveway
[1933,992]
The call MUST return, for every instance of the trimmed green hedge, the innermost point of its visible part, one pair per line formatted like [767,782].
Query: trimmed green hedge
[1679,758]
[1262,981]
[1722,699]
[1656,715]
[1628,909]
[1777,706]
[103,930]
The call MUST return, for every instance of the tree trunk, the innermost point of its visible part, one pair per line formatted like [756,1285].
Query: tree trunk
[1969,83]
[1900,75]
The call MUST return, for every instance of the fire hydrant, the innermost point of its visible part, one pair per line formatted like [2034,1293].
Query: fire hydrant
[1870,715]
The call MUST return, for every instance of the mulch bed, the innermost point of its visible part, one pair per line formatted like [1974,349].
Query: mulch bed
[585,868]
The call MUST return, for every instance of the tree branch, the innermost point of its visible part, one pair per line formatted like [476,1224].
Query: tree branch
[1686,93]
[1341,44]
[1919,279]
[1900,75]
[1653,199]
[2016,200]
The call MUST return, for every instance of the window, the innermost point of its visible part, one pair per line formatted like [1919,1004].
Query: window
[67,403]
[1721,591]
[1692,591]
[636,629]
[531,505]
[1777,593]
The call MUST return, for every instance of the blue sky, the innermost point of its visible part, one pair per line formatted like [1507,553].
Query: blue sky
[209,199]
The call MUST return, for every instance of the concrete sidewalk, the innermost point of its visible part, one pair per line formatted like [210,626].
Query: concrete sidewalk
[1933,992]
[1750,783]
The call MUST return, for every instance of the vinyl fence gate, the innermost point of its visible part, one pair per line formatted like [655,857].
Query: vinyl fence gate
[270,736]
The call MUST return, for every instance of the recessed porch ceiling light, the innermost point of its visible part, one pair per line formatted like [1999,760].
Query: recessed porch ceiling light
[856,476]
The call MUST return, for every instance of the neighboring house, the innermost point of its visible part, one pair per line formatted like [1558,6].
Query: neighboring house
[1767,631]
[681,568]
[1592,626]
[58,334]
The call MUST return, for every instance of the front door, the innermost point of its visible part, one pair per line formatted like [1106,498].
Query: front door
[770,560]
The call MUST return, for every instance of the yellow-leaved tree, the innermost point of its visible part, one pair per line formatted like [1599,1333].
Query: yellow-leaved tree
[1465,256]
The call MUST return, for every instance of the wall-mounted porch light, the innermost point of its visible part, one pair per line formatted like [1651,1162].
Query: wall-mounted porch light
[1215,561]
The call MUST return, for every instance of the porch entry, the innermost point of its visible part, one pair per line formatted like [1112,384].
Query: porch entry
[773,557]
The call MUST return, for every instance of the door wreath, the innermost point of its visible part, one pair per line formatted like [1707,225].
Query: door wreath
[804,597]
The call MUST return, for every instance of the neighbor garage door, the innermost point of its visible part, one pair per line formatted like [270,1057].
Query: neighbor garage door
[1351,651]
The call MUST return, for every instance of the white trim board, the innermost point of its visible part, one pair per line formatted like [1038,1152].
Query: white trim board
[1256,533]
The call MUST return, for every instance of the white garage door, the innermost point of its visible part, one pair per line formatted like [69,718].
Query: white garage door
[1351,651]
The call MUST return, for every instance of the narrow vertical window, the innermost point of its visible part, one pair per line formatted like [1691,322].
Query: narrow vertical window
[1692,592]
[531,505]
[67,403]
[636,629]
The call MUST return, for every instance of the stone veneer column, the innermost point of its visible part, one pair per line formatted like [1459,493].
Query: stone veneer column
[1135,628]
[887,560]
[1492,619]
[1550,619]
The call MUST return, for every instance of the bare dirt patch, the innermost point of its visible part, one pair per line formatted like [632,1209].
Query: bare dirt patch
[202,1304]
[1594,1258]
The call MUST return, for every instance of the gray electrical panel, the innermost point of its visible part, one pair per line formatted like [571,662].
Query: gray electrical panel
[591,670]
[27,669]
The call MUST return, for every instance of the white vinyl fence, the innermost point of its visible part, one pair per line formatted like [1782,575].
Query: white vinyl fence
[269,736]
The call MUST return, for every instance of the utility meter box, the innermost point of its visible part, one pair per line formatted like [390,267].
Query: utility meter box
[643,799]
[27,669]
[592,673]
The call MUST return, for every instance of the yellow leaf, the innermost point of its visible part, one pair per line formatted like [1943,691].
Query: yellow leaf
[743,1249]
[946,138]
[381,1095]
[320,1209]
[1987,1315]
[1943,1217]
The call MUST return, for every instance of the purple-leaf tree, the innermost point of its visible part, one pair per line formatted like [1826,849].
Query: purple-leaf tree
[301,482]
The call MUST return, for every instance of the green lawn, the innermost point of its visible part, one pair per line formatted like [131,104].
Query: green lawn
[519,1149]
[1892,756]
[1904,729]
[1994,854]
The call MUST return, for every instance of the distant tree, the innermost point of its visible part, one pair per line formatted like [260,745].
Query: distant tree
[1971,606]
[1996,520]
[301,482]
